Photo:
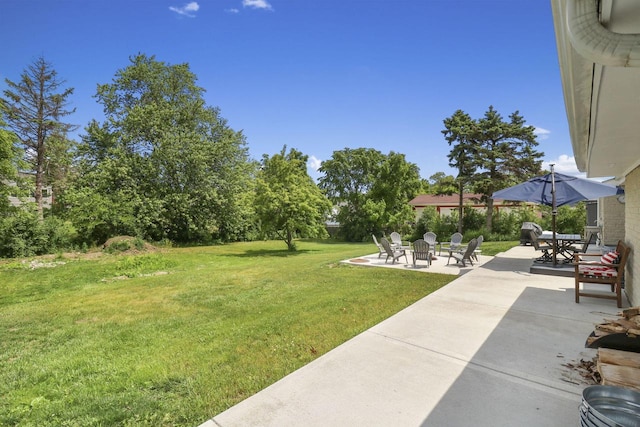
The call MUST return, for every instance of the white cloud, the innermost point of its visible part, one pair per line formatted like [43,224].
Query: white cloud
[188,9]
[564,164]
[314,163]
[232,10]
[541,133]
[257,4]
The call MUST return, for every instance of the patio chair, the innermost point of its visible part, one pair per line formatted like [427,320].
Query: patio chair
[590,240]
[421,251]
[431,238]
[462,256]
[607,269]
[396,240]
[393,253]
[480,239]
[453,245]
[380,248]
[546,256]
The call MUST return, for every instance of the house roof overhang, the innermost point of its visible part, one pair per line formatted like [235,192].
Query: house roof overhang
[601,82]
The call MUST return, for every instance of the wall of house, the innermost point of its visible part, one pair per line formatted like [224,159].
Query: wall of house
[632,234]
[611,220]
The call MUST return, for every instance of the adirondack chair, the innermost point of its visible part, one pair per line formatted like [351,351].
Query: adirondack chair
[396,239]
[454,244]
[431,238]
[478,250]
[392,252]
[462,256]
[421,251]
[380,248]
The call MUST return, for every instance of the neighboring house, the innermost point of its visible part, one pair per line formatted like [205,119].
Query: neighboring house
[598,46]
[47,195]
[446,204]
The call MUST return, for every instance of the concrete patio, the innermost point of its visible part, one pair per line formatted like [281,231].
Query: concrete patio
[489,349]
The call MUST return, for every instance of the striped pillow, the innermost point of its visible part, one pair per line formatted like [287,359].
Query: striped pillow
[610,258]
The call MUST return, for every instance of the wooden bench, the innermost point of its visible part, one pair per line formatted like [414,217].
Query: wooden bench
[592,268]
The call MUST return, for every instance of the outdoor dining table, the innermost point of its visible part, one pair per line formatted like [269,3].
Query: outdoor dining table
[564,243]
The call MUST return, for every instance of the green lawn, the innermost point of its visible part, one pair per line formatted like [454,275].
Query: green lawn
[175,337]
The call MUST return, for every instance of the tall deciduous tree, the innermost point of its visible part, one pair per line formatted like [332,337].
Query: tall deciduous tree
[442,184]
[162,164]
[34,108]
[288,203]
[370,189]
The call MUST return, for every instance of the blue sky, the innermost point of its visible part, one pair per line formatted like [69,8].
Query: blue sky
[315,75]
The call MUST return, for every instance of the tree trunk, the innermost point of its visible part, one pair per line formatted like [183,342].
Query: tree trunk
[460,206]
[489,214]
[39,174]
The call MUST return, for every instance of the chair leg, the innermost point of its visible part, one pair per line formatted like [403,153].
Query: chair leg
[577,285]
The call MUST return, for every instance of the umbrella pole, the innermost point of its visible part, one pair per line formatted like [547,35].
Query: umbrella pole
[554,212]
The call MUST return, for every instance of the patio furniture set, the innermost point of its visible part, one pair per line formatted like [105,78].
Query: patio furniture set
[425,249]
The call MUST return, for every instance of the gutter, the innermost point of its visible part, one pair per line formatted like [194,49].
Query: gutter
[596,43]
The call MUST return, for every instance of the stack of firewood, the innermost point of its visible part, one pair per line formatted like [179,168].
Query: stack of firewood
[617,367]
[628,323]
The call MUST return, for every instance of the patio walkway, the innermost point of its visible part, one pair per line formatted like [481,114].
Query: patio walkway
[488,349]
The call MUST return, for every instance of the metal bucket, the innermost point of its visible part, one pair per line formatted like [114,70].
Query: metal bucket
[609,406]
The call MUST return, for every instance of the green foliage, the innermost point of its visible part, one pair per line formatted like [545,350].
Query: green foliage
[125,244]
[371,191]
[22,233]
[139,265]
[425,223]
[442,184]
[490,153]
[473,219]
[8,165]
[162,165]
[288,203]
[571,219]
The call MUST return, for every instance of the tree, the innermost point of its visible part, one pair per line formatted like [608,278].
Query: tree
[162,164]
[459,131]
[442,184]
[371,190]
[288,203]
[492,154]
[8,165]
[506,155]
[34,108]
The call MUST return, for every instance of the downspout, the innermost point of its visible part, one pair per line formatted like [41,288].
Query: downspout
[596,43]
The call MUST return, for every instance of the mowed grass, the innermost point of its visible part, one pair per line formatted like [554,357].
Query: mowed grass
[175,337]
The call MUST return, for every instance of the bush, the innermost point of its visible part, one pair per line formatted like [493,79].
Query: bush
[23,234]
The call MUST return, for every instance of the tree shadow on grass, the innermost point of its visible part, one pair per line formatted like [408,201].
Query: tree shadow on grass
[281,253]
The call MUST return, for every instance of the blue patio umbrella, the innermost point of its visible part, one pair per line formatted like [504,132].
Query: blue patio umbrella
[555,189]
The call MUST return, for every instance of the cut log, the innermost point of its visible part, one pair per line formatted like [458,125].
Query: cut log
[630,312]
[622,376]
[611,328]
[618,357]
[628,324]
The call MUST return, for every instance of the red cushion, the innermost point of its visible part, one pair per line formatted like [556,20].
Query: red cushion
[609,258]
